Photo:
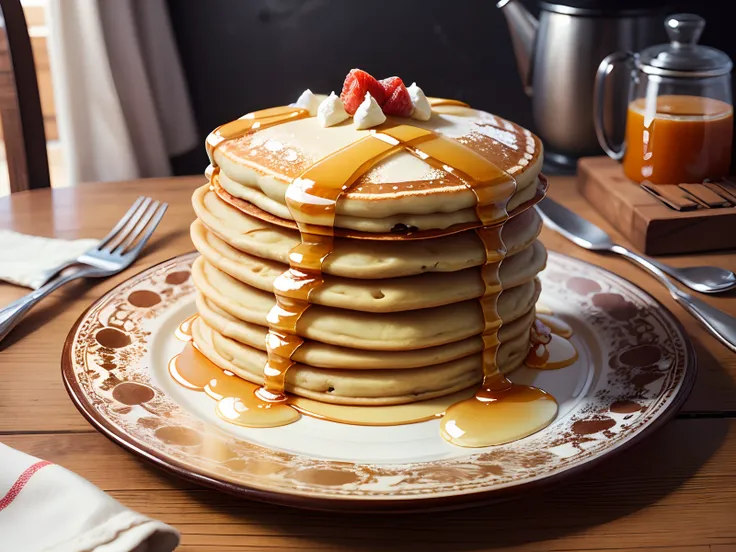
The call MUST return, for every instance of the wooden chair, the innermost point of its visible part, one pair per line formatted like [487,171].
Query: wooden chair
[20,105]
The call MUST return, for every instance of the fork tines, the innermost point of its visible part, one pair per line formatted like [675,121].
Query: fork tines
[134,229]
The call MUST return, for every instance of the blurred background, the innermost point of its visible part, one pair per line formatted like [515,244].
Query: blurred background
[130,88]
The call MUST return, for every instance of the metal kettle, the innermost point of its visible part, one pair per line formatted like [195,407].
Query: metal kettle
[558,55]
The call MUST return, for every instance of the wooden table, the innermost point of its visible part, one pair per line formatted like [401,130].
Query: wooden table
[675,492]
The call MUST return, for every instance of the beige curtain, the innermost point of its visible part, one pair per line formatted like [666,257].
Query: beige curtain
[121,98]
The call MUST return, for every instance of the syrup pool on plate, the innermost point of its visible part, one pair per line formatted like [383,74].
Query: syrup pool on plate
[237,401]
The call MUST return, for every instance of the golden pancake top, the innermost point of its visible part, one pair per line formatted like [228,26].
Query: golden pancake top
[284,147]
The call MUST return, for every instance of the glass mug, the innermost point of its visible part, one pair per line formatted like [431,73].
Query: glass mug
[679,125]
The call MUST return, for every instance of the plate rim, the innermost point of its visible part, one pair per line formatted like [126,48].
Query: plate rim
[367,504]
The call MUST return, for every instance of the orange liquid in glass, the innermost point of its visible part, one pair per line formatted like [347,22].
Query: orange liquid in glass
[686,139]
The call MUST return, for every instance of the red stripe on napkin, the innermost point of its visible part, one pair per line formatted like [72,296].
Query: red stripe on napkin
[20,483]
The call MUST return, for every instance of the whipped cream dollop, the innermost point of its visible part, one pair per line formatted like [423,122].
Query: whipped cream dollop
[422,109]
[368,114]
[308,101]
[331,111]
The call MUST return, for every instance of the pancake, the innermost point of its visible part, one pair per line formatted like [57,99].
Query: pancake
[384,295]
[323,355]
[399,189]
[357,387]
[397,331]
[431,221]
[398,232]
[358,259]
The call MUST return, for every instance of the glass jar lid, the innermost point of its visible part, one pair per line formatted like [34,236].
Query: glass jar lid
[683,56]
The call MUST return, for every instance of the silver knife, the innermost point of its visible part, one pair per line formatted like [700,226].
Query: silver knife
[589,236]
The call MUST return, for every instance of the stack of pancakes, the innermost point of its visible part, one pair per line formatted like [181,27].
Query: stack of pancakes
[397,318]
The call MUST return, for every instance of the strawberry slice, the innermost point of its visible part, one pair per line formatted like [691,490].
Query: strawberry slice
[398,101]
[390,84]
[357,83]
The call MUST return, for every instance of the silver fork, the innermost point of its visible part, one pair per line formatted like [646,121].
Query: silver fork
[114,253]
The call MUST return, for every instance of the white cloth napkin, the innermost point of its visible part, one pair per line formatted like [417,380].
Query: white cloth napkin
[47,508]
[24,258]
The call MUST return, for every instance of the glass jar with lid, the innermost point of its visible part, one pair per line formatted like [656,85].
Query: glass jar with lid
[679,126]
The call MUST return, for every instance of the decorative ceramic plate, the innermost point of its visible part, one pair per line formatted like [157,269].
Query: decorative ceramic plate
[635,369]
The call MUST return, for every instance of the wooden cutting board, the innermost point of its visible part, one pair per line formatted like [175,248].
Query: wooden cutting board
[648,222]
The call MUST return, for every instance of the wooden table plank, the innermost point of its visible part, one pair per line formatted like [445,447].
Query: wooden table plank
[676,489]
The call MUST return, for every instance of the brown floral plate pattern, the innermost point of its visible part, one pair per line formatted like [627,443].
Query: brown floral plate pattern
[635,369]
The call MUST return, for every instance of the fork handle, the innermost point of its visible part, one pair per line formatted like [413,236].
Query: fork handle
[720,324]
[12,314]
[717,322]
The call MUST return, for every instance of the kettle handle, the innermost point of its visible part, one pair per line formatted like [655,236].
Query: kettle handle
[604,70]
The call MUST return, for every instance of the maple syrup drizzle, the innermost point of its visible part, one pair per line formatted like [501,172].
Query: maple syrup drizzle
[499,411]
[311,199]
